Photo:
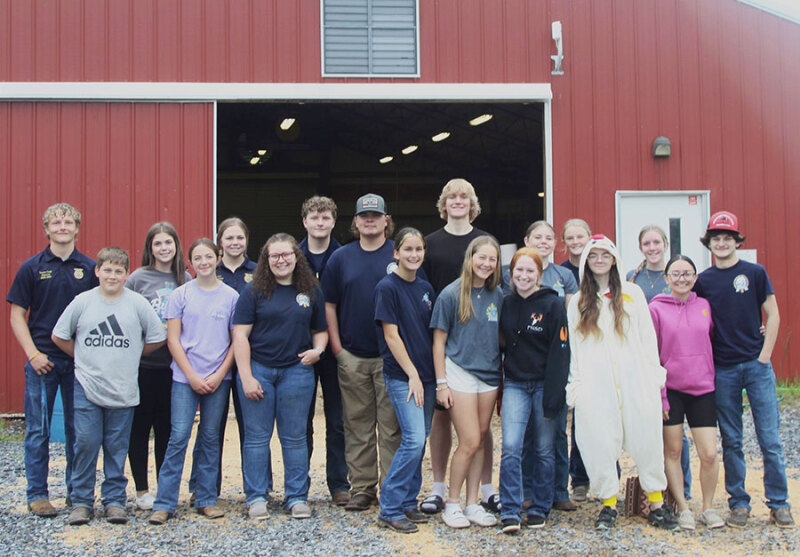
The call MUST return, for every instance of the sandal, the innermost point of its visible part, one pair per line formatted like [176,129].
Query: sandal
[432,504]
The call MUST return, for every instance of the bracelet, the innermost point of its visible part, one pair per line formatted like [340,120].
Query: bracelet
[441,381]
[442,388]
[35,354]
[319,351]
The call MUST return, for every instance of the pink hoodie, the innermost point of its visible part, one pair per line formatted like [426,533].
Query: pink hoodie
[684,343]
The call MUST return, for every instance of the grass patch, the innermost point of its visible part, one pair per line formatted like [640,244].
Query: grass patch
[10,434]
[789,392]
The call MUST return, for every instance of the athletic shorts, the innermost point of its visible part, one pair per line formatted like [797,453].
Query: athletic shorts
[700,411]
[462,381]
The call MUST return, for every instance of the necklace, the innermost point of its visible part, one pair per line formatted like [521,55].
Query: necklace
[650,278]
[480,291]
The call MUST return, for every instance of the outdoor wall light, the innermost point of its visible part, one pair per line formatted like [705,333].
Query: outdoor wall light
[661,147]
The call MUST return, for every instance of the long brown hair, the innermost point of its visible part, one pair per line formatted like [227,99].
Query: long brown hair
[589,303]
[178,267]
[465,309]
[303,279]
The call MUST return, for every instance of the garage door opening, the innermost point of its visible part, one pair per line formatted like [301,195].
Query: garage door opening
[272,156]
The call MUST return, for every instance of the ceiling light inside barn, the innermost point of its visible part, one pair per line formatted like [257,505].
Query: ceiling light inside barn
[262,152]
[441,136]
[540,194]
[255,160]
[482,119]
[384,160]
[287,123]
[410,149]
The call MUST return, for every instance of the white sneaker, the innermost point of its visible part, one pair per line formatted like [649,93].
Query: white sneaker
[686,520]
[145,502]
[301,510]
[712,519]
[258,510]
[480,516]
[454,517]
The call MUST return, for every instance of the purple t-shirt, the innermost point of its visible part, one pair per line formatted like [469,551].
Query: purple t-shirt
[206,322]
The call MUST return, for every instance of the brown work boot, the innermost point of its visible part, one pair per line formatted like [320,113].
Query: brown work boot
[340,498]
[43,508]
[360,502]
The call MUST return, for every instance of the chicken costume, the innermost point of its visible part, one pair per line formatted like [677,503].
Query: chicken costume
[615,387]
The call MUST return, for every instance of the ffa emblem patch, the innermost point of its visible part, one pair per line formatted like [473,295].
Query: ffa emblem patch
[427,300]
[391,267]
[77,272]
[248,277]
[303,301]
[741,284]
[491,312]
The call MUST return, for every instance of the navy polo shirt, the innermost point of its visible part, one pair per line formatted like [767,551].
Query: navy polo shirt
[349,282]
[409,306]
[238,278]
[318,261]
[46,285]
[282,324]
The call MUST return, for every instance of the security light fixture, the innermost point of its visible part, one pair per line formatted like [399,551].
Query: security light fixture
[662,147]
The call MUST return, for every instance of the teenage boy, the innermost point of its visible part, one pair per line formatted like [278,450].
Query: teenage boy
[444,255]
[349,280]
[738,292]
[45,284]
[106,330]
[319,218]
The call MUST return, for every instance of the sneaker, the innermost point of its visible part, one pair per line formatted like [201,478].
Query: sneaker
[782,517]
[606,520]
[580,493]
[116,515]
[535,521]
[509,526]
[258,510]
[144,502]
[454,517]
[480,516]
[43,508]
[492,504]
[79,516]
[301,510]
[686,520]
[737,518]
[663,518]
[712,519]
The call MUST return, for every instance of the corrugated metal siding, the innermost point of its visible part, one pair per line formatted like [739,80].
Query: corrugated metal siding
[124,166]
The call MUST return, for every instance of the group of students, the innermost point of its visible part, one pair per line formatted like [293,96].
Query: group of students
[406,337]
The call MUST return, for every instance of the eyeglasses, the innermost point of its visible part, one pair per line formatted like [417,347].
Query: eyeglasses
[605,256]
[275,257]
[685,275]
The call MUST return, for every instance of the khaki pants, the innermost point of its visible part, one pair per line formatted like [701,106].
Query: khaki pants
[371,432]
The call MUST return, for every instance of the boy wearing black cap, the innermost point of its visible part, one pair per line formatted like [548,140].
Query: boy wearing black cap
[738,291]
[349,282]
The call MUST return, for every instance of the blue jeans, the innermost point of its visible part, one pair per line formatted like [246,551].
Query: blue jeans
[577,470]
[184,405]
[96,426]
[561,477]
[40,396]
[287,394]
[327,373]
[401,486]
[522,400]
[759,381]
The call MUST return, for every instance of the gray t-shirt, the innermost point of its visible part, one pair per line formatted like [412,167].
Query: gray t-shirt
[474,345]
[156,287]
[109,338]
[652,283]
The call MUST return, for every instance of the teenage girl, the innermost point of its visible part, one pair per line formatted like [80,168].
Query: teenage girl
[575,233]
[533,324]
[199,322]
[615,381]
[403,306]
[466,356]
[279,333]
[649,275]
[683,325]
[161,272]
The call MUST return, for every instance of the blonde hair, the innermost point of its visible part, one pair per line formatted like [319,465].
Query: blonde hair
[61,210]
[465,309]
[645,229]
[576,222]
[459,185]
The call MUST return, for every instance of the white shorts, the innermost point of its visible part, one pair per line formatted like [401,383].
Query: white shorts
[462,381]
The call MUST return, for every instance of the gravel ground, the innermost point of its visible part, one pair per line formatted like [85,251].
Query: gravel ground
[334,531]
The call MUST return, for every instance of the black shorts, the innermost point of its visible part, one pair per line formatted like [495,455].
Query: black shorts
[700,411]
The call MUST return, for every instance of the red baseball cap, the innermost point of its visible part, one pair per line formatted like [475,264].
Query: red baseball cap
[723,220]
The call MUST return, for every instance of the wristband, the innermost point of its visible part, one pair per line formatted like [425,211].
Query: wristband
[319,351]
[441,381]
[442,388]
[37,353]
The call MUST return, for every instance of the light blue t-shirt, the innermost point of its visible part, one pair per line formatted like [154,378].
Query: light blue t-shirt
[206,322]
[474,345]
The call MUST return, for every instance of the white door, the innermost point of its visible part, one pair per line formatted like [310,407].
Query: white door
[683,215]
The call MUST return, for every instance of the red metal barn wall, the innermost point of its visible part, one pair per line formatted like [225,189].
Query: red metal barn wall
[715,76]
[124,166]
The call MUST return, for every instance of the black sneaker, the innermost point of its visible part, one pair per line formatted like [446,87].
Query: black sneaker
[535,521]
[663,518]
[509,526]
[492,504]
[606,520]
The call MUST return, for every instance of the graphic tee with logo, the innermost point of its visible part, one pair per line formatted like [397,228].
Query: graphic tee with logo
[109,338]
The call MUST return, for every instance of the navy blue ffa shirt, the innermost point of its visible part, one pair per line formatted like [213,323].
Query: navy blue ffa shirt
[409,306]
[349,282]
[282,324]
[318,261]
[238,278]
[46,285]
[736,295]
